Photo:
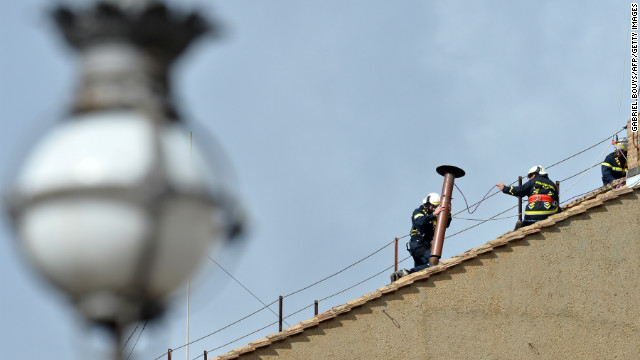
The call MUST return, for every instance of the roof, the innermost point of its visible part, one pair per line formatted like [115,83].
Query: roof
[576,207]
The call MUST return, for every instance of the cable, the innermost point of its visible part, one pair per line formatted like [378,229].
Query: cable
[240,338]
[339,271]
[290,294]
[217,331]
[500,218]
[138,338]
[584,171]
[571,198]
[365,280]
[465,199]
[304,308]
[244,287]
[587,149]
[480,223]
[133,332]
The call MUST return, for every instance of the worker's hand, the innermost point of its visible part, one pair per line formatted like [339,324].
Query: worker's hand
[438,210]
[500,186]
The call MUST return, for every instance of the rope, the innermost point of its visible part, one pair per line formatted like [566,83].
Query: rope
[465,199]
[217,331]
[240,338]
[500,218]
[304,308]
[587,149]
[244,287]
[584,172]
[138,338]
[339,271]
[130,336]
[290,294]
[363,281]
[480,223]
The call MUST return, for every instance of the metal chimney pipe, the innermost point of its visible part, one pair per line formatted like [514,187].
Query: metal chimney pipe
[450,173]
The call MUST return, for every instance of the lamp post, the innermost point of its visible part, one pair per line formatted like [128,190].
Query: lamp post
[114,206]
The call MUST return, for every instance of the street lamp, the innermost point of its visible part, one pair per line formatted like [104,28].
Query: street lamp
[115,206]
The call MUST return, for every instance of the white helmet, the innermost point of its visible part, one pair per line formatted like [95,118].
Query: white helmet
[432,198]
[537,170]
[621,144]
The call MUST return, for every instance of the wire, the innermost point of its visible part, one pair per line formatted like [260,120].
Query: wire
[290,294]
[465,199]
[138,338]
[480,223]
[304,308]
[365,280]
[500,218]
[133,332]
[584,172]
[244,287]
[240,338]
[217,331]
[339,271]
[587,149]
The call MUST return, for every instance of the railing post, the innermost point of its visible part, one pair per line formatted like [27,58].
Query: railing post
[315,306]
[395,266]
[520,201]
[169,354]
[280,306]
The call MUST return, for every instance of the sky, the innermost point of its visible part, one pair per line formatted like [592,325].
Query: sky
[333,116]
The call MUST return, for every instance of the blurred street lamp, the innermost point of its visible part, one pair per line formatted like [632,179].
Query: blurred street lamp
[114,206]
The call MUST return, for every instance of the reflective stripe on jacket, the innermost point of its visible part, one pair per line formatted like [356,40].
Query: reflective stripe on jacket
[613,167]
[542,185]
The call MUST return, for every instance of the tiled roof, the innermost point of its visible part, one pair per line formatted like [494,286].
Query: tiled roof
[579,206]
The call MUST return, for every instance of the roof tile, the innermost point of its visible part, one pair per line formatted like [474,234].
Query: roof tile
[260,343]
[244,349]
[309,322]
[326,315]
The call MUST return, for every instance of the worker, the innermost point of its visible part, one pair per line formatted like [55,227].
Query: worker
[614,165]
[423,224]
[543,195]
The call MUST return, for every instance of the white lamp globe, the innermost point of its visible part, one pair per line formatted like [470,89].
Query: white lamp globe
[117,210]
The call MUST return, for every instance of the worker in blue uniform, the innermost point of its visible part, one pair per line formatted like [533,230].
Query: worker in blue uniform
[542,192]
[423,224]
[614,165]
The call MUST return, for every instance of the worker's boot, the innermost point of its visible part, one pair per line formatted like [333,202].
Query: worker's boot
[398,274]
[518,225]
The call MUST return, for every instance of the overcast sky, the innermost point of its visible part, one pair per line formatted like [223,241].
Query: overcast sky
[334,116]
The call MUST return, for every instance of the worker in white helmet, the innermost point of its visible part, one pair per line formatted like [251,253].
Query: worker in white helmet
[614,165]
[542,192]
[423,224]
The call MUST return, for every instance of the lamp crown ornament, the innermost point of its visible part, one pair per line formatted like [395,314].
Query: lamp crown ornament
[154,28]
[127,55]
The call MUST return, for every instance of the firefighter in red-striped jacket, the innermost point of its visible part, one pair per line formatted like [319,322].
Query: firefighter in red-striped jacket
[542,193]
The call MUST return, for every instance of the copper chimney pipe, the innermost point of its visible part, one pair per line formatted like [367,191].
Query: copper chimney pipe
[450,173]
